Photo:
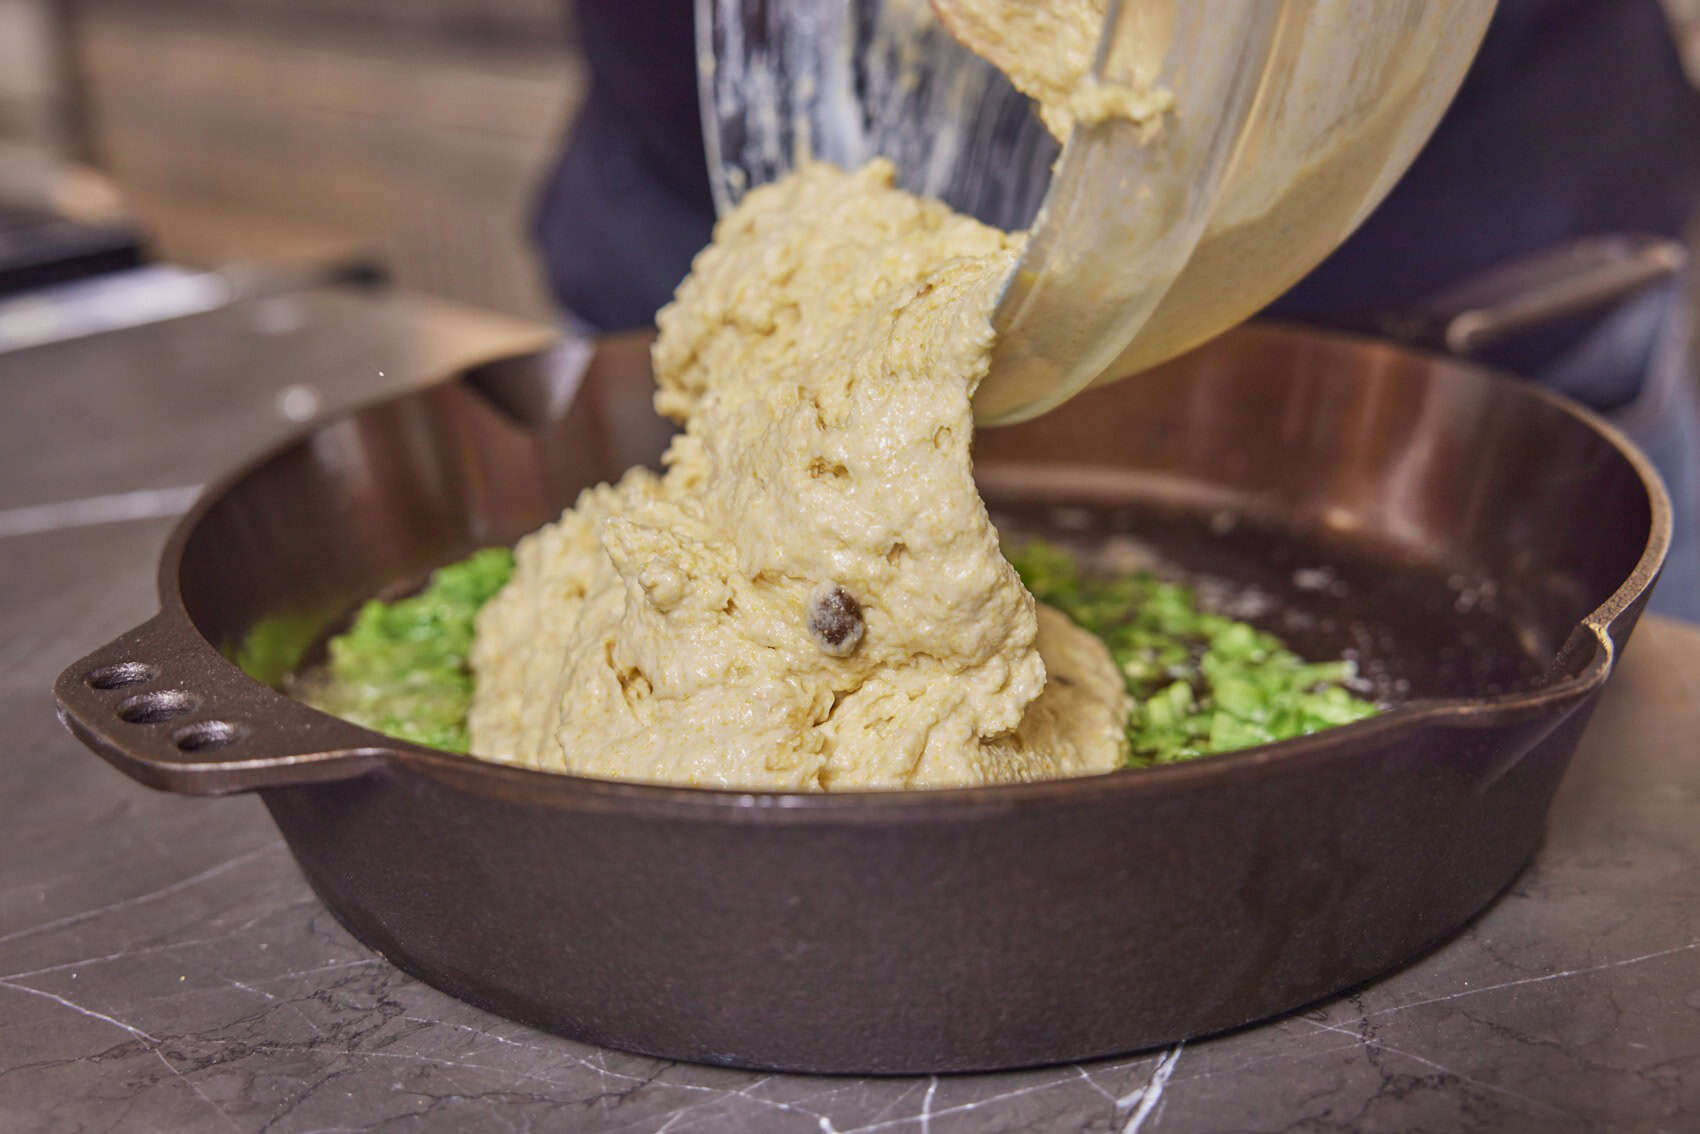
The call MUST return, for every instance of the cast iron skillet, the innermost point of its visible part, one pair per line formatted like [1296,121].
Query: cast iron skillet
[949,930]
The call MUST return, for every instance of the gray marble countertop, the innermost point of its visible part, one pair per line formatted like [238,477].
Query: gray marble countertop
[164,967]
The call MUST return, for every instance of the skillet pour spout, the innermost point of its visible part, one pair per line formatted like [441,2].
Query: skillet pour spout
[969,929]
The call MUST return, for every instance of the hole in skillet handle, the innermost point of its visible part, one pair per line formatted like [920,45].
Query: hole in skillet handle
[161,705]
[187,720]
[207,736]
[121,675]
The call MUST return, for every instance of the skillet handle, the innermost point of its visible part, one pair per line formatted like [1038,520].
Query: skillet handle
[163,707]
[1584,275]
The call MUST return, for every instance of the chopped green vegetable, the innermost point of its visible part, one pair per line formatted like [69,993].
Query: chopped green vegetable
[273,646]
[402,668]
[1200,682]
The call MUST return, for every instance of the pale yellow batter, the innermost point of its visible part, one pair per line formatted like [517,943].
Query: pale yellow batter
[812,596]
[1047,48]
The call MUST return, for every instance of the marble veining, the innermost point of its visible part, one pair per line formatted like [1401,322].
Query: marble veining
[164,967]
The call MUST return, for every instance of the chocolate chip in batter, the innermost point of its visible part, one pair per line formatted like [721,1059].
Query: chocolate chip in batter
[835,619]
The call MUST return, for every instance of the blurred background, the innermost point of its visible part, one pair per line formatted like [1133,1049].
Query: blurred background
[540,161]
[414,134]
[406,133]
[411,136]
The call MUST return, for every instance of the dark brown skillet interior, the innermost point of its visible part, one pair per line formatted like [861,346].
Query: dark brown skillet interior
[1415,630]
[1415,518]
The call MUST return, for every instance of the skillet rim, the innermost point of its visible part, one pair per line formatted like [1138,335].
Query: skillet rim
[1594,633]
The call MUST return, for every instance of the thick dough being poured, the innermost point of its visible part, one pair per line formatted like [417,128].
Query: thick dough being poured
[1046,49]
[812,596]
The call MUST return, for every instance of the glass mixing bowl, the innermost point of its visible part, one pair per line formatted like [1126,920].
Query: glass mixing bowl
[1291,120]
